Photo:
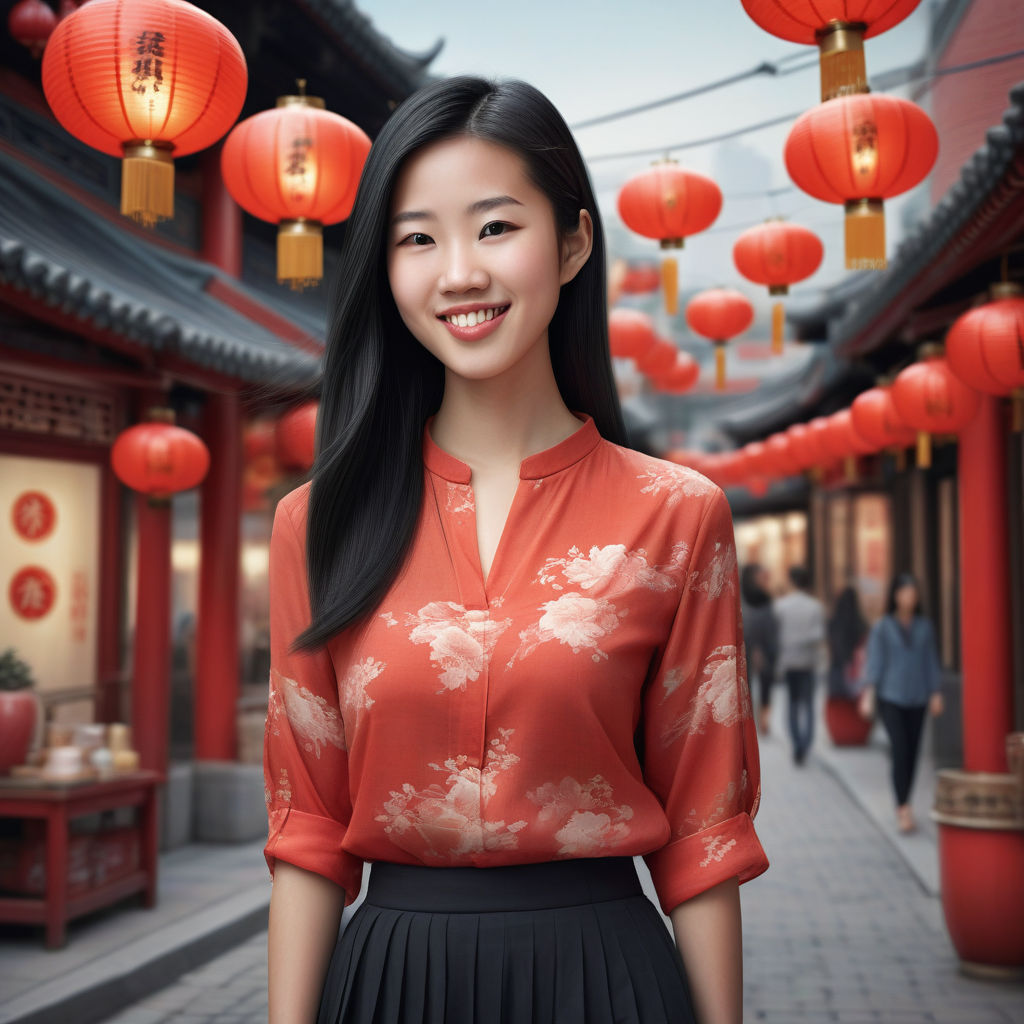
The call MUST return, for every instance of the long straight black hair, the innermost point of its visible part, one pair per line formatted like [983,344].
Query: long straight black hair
[379,384]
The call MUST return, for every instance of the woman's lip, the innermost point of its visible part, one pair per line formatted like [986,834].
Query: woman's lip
[480,330]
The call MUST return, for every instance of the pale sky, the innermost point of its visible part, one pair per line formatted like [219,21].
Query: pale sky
[592,58]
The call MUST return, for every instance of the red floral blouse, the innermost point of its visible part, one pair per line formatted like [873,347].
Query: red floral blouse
[499,721]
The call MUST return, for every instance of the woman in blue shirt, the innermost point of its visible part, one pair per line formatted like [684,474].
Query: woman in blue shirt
[905,677]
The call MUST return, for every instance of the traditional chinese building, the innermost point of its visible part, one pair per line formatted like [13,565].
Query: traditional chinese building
[101,320]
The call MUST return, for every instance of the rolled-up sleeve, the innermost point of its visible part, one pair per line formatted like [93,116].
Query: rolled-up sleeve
[700,742]
[305,755]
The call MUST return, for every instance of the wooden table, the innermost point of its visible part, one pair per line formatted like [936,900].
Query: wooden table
[56,803]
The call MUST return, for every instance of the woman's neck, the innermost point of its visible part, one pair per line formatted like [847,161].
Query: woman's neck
[493,424]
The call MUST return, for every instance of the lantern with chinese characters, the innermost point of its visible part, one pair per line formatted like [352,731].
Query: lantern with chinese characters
[719,314]
[932,399]
[777,254]
[668,203]
[158,458]
[31,23]
[679,377]
[837,27]
[296,436]
[145,80]
[297,166]
[630,333]
[985,346]
[858,151]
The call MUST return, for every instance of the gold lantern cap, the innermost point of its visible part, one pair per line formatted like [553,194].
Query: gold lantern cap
[301,100]
[1005,290]
[931,350]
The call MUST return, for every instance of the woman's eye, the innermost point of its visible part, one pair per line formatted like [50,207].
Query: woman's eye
[495,227]
[416,238]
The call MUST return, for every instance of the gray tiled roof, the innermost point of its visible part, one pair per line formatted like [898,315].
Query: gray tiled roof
[54,248]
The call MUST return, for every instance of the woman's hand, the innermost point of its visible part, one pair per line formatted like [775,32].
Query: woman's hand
[866,703]
[936,704]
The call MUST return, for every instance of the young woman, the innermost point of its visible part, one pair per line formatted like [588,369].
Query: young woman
[905,679]
[761,636]
[506,650]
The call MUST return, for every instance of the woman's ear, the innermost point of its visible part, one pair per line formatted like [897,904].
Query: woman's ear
[576,246]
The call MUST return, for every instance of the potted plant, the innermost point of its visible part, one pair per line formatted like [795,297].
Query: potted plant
[18,710]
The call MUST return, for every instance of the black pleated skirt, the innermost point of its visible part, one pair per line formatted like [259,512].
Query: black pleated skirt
[558,942]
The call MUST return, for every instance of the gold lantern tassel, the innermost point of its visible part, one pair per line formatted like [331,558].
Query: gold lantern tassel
[850,463]
[843,70]
[719,366]
[865,235]
[300,253]
[147,182]
[778,327]
[670,276]
[924,449]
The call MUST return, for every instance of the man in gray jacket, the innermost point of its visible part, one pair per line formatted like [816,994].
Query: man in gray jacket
[801,635]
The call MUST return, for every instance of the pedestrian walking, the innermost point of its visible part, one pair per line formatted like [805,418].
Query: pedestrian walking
[904,677]
[506,650]
[847,636]
[761,637]
[801,636]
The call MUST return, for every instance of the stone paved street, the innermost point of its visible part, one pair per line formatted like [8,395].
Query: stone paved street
[838,930]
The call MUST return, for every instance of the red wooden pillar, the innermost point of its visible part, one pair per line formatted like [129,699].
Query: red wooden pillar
[222,218]
[985,590]
[217,631]
[151,674]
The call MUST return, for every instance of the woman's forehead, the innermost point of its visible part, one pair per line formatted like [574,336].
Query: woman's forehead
[455,172]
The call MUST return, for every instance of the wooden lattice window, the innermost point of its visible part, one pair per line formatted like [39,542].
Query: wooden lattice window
[55,410]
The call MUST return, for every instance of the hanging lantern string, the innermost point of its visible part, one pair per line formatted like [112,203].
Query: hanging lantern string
[910,69]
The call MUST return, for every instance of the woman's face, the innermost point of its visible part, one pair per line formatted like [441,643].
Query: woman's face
[474,259]
[906,597]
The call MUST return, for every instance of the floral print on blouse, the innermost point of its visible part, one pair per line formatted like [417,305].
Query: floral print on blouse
[588,699]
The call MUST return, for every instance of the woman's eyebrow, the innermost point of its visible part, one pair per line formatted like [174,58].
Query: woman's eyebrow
[480,206]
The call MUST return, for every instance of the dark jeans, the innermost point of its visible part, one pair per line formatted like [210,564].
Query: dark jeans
[800,683]
[904,725]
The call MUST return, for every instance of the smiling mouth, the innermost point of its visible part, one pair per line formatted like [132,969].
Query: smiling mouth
[472,319]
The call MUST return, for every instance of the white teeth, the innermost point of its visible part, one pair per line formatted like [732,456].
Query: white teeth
[476,317]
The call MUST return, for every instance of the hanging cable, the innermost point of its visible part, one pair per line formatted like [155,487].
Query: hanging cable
[890,78]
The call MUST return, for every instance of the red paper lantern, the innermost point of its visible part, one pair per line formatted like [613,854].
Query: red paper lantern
[630,333]
[659,359]
[779,456]
[875,419]
[668,203]
[858,151]
[932,399]
[680,377]
[146,80]
[837,27]
[719,314]
[777,254]
[820,429]
[158,458]
[641,279]
[296,437]
[803,445]
[985,346]
[296,166]
[31,23]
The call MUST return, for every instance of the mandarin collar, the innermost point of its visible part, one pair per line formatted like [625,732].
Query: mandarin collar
[540,464]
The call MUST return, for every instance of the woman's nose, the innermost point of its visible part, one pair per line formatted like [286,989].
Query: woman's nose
[462,271]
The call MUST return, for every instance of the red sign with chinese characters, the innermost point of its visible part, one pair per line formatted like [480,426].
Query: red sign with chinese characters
[33,515]
[32,592]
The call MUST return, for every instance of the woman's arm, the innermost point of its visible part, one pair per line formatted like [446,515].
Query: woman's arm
[709,936]
[305,915]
